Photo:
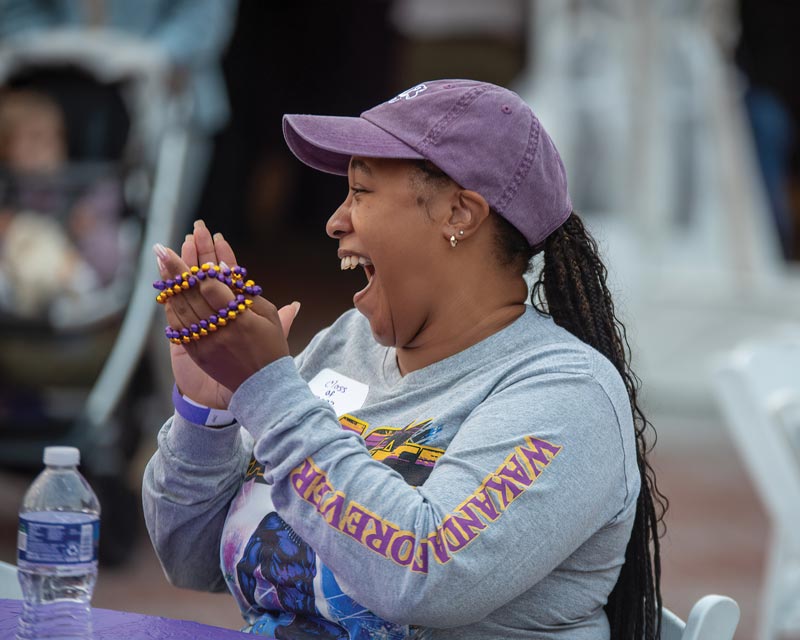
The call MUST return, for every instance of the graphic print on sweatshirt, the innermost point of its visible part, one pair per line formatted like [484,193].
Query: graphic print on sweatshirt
[281,586]
[284,590]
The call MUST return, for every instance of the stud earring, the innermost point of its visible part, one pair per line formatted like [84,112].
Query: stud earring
[453,241]
[461,232]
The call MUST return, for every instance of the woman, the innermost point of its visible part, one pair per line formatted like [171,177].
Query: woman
[444,461]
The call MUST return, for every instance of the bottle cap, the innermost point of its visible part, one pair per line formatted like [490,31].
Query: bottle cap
[62,456]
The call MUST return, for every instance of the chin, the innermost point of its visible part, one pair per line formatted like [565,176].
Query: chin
[383,335]
[383,338]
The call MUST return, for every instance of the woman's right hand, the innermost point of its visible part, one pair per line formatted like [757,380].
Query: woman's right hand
[198,248]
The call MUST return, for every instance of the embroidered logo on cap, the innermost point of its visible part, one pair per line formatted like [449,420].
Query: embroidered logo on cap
[409,94]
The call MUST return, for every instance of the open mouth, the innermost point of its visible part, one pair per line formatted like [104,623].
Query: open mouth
[353,261]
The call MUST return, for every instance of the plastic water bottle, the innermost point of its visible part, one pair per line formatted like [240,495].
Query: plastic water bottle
[59,528]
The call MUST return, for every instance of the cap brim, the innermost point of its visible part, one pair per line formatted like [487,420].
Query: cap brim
[327,143]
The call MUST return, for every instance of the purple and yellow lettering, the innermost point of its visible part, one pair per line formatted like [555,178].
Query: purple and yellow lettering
[506,489]
[319,493]
[517,471]
[454,537]
[402,548]
[420,563]
[439,546]
[469,521]
[305,477]
[381,535]
[539,455]
[331,509]
[355,521]
[483,503]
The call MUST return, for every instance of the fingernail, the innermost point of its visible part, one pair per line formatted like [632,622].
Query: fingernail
[218,236]
[160,264]
[188,237]
[160,251]
[296,306]
[223,265]
[199,223]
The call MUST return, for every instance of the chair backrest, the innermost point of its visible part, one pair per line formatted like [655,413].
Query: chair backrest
[758,388]
[711,618]
[9,585]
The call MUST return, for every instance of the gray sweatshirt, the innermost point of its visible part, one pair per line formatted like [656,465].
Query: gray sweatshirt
[488,495]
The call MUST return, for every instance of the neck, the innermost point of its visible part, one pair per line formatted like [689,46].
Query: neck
[469,315]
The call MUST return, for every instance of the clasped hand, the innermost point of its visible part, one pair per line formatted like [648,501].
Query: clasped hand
[209,370]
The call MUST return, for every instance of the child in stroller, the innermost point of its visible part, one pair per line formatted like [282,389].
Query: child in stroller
[57,240]
[68,245]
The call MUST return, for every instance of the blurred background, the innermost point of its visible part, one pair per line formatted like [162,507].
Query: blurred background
[121,122]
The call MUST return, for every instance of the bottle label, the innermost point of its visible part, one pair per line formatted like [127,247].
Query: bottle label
[57,538]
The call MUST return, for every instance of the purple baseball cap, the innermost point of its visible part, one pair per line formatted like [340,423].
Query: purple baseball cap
[483,136]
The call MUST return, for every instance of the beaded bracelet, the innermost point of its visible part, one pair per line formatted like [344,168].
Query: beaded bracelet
[233,277]
[208,326]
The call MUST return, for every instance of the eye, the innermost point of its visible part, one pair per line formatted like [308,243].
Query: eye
[357,191]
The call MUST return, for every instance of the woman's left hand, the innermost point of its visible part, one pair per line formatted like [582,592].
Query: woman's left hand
[237,350]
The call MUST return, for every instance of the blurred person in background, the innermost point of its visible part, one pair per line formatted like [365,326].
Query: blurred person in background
[767,54]
[177,44]
[33,145]
[191,34]
[445,460]
[56,239]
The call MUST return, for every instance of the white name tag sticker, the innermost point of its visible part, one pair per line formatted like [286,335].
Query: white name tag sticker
[344,394]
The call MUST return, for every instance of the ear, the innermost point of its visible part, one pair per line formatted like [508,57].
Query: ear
[468,210]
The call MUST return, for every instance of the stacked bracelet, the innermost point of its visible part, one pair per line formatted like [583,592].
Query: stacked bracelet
[205,327]
[232,277]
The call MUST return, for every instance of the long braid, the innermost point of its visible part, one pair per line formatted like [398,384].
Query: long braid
[571,288]
[576,296]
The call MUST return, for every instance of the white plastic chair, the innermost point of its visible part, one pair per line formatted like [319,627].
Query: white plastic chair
[711,618]
[9,585]
[758,389]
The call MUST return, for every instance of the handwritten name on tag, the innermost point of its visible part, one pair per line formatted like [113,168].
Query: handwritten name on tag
[343,393]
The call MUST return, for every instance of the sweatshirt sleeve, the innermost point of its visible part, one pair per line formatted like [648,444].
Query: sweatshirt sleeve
[533,472]
[187,487]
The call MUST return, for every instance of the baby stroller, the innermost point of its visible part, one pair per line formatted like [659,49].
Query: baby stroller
[76,266]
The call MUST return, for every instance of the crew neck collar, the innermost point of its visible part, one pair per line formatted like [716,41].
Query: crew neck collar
[478,352]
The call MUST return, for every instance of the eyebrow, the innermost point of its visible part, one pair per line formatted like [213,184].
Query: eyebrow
[359,164]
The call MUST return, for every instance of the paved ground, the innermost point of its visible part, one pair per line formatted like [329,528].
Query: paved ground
[716,526]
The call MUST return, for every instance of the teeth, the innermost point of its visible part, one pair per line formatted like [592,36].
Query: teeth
[351,262]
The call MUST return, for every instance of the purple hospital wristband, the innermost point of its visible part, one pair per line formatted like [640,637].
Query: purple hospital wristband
[199,414]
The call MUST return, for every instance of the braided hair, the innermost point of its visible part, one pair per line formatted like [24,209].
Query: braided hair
[571,288]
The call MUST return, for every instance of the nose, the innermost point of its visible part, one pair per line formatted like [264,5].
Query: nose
[339,224]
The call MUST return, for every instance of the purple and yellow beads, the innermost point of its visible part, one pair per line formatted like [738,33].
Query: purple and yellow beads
[233,277]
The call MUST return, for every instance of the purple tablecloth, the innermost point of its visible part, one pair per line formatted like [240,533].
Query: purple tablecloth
[130,626]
